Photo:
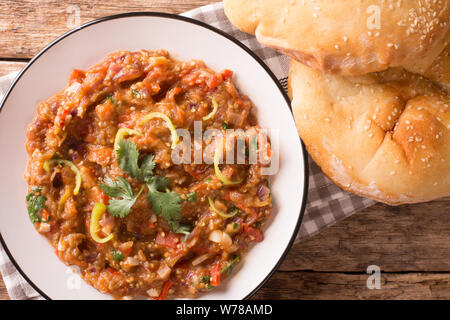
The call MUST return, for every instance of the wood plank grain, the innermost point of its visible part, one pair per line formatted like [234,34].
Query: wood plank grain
[397,239]
[26,26]
[316,285]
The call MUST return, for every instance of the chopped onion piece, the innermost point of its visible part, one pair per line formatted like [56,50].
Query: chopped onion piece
[132,261]
[221,238]
[154,293]
[164,271]
[226,240]
[200,259]
[44,227]
[215,236]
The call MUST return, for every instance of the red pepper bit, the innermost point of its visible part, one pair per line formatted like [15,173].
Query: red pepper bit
[227,74]
[253,233]
[214,81]
[62,117]
[164,291]
[215,275]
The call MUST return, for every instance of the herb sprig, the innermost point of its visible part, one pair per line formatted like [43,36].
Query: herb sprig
[164,202]
[229,267]
[121,189]
[206,280]
[128,157]
[117,256]
[191,197]
[35,203]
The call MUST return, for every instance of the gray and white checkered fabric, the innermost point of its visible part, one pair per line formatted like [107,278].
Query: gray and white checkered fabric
[326,204]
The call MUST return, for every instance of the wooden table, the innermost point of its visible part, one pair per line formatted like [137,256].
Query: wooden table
[410,243]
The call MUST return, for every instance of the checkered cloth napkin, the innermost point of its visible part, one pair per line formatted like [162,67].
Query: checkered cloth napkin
[326,205]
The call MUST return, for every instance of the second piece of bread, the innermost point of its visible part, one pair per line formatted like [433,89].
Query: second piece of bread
[382,135]
[347,37]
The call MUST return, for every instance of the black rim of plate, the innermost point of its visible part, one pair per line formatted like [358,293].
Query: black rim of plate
[225,35]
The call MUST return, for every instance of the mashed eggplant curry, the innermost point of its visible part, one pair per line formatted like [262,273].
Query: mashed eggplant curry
[105,191]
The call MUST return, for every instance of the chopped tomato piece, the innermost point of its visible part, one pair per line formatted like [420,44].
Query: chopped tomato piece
[96,195]
[126,248]
[100,155]
[169,239]
[62,117]
[174,92]
[77,76]
[227,74]
[253,233]
[105,111]
[147,227]
[112,270]
[45,215]
[213,82]
[215,275]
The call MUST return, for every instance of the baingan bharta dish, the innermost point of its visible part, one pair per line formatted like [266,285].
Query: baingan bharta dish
[108,193]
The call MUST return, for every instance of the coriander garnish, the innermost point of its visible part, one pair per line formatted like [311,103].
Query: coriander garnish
[192,197]
[36,202]
[117,256]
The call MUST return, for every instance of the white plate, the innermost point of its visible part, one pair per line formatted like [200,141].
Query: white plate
[185,38]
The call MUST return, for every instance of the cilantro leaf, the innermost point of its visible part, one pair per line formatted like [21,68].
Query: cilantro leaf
[117,256]
[159,183]
[206,280]
[147,166]
[167,204]
[110,97]
[163,201]
[127,158]
[177,227]
[116,188]
[119,188]
[35,203]
[192,197]
[228,268]
[120,207]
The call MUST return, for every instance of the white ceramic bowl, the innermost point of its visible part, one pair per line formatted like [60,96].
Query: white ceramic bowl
[185,38]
